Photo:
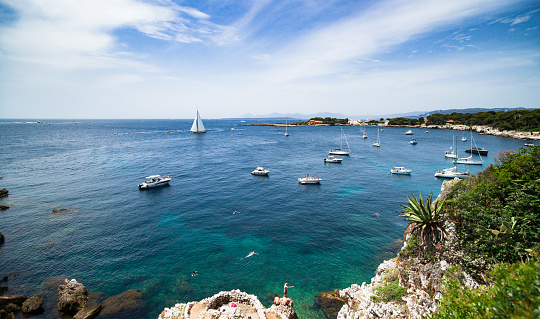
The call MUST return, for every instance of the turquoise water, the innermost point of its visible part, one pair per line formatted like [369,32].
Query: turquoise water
[116,237]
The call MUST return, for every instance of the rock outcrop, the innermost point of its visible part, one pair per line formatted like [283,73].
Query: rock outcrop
[88,312]
[4,207]
[330,302]
[228,304]
[72,297]
[3,192]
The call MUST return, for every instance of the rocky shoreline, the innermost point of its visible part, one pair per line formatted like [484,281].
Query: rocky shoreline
[482,129]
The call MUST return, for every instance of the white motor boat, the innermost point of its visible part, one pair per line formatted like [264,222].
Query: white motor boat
[464,139]
[452,173]
[154,181]
[413,142]
[409,132]
[259,171]
[400,170]
[309,180]
[332,159]
[450,154]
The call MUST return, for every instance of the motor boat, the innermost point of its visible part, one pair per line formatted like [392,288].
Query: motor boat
[154,181]
[477,150]
[400,170]
[450,154]
[413,142]
[259,171]
[464,139]
[332,159]
[452,173]
[409,132]
[309,180]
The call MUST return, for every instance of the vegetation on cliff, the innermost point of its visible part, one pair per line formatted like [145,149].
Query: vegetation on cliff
[520,120]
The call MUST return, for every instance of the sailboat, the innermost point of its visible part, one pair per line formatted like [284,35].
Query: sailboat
[198,126]
[378,143]
[464,139]
[340,150]
[365,135]
[286,132]
[453,152]
[469,160]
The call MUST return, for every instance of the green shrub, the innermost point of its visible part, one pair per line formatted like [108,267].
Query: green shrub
[514,293]
[391,292]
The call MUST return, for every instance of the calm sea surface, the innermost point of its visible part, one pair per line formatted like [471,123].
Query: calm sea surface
[116,237]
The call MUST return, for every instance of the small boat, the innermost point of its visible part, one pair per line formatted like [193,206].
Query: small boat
[309,180]
[340,150]
[468,161]
[414,142]
[477,150]
[400,170]
[453,152]
[154,181]
[364,135]
[464,139]
[286,132]
[240,133]
[332,159]
[259,171]
[198,126]
[409,132]
[40,122]
[529,144]
[378,142]
[452,173]
[427,132]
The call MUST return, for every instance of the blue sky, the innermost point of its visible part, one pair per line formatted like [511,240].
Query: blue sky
[165,59]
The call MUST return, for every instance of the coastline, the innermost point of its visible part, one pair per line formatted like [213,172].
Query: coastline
[481,129]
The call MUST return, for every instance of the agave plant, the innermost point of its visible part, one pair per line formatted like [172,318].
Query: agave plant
[425,219]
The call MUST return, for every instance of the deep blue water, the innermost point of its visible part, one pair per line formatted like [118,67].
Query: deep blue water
[116,237]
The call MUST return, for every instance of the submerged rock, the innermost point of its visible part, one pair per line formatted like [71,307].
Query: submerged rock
[3,207]
[72,297]
[330,303]
[127,303]
[88,312]
[3,192]
[1,239]
[33,305]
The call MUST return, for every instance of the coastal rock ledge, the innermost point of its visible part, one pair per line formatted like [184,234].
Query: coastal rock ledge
[219,306]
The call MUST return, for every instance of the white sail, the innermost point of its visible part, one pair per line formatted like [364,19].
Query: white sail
[198,126]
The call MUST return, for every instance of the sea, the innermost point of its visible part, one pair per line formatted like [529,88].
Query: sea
[114,237]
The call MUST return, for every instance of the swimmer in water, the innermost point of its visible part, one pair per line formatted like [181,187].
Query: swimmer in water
[377,213]
[251,254]
[194,273]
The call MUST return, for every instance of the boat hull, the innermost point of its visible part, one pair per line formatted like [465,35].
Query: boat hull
[260,173]
[338,152]
[152,185]
[304,181]
[477,151]
[335,160]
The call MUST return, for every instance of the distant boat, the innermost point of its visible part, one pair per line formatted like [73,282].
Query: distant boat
[378,142]
[464,139]
[286,132]
[453,152]
[154,181]
[469,160]
[476,150]
[40,122]
[260,172]
[340,150]
[365,135]
[309,180]
[452,173]
[400,170]
[413,142]
[332,159]
[198,126]
[409,132]
[529,144]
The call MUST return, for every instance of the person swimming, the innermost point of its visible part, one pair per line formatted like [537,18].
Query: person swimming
[194,273]
[251,254]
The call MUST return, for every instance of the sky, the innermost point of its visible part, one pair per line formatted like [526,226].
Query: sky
[164,59]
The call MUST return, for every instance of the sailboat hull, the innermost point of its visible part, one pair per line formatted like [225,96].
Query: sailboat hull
[339,152]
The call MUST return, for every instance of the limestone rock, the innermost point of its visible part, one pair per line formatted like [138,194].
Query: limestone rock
[3,207]
[33,305]
[3,192]
[88,312]
[72,297]
[130,301]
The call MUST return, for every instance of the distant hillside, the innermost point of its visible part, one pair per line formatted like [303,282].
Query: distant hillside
[414,114]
